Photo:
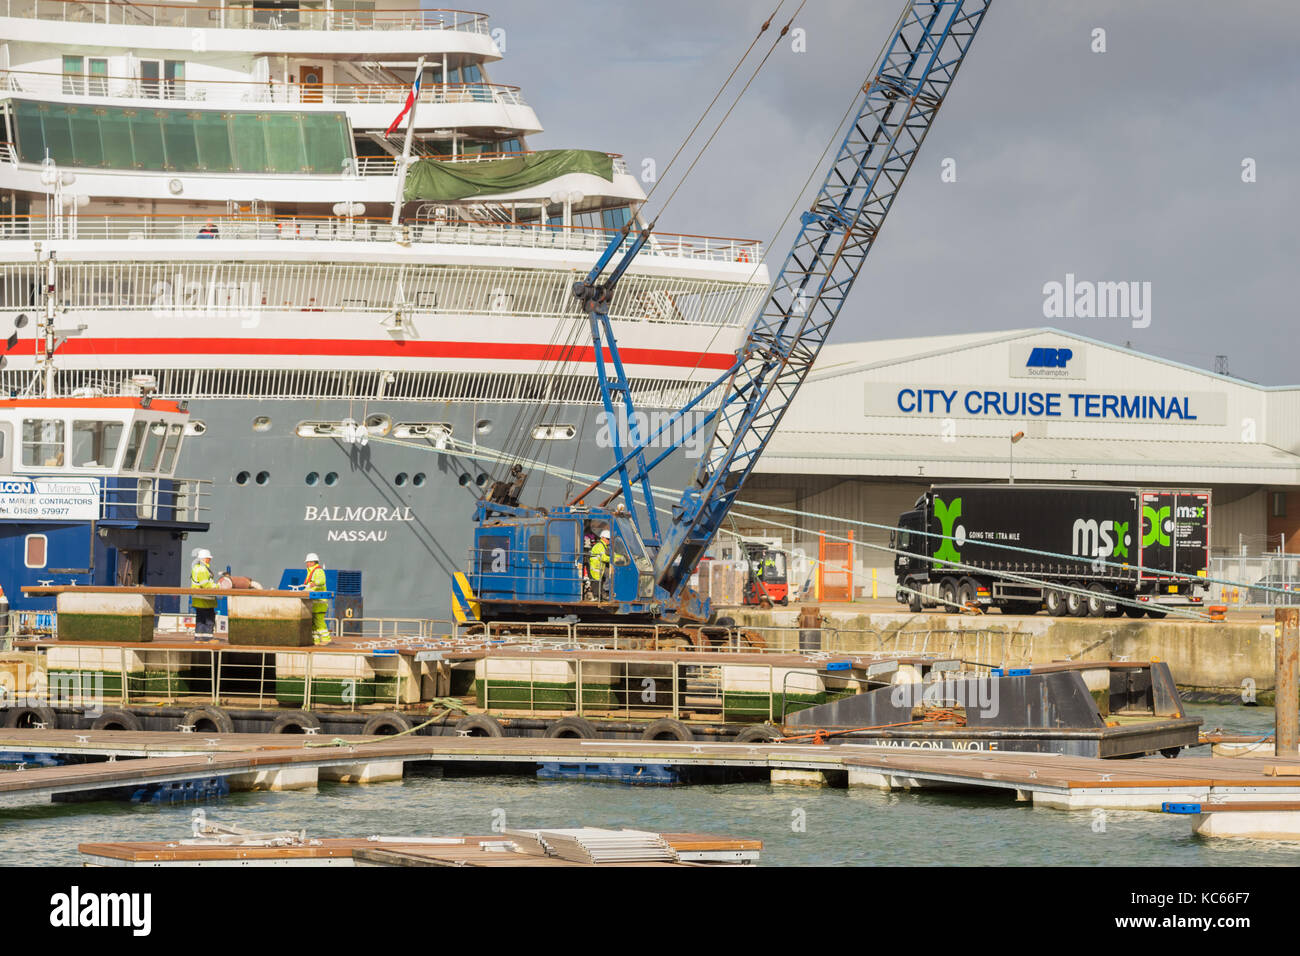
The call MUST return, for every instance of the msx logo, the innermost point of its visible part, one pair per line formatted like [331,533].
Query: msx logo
[1049,358]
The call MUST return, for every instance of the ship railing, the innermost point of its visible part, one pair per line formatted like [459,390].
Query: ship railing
[7,153]
[252,92]
[156,499]
[242,16]
[368,229]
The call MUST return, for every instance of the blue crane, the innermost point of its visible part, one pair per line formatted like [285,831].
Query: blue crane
[528,562]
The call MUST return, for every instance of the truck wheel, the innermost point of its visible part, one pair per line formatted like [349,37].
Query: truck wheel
[966,591]
[1054,601]
[1076,605]
[1134,610]
[1156,615]
[914,603]
[1097,601]
[948,594]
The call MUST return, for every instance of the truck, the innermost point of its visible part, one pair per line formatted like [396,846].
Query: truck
[1073,550]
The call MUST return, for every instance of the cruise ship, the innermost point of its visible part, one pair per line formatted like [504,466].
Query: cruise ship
[368,321]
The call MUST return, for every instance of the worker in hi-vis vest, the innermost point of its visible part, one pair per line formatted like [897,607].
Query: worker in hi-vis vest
[316,582]
[598,566]
[205,608]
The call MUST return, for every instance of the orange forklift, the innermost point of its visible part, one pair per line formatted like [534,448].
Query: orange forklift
[767,583]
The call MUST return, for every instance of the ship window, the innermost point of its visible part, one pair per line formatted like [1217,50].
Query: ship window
[179,139]
[153,446]
[94,444]
[73,84]
[133,446]
[173,445]
[43,442]
[34,550]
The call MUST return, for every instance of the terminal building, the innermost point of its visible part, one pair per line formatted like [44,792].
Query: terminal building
[877,423]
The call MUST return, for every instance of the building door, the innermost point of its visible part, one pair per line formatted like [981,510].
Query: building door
[313,83]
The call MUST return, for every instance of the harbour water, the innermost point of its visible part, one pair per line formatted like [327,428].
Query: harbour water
[799,826]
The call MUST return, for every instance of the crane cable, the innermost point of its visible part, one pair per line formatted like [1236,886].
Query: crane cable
[543,407]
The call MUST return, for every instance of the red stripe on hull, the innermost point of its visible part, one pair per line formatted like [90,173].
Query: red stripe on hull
[503,351]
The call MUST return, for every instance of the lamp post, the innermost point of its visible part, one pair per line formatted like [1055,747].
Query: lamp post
[1011,457]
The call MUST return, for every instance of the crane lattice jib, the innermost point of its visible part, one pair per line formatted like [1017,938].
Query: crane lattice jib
[895,113]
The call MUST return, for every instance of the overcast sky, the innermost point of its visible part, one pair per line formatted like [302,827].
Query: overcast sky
[1117,166]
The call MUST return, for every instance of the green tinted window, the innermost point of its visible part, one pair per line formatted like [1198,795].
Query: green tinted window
[178,138]
[86,146]
[146,139]
[212,133]
[181,140]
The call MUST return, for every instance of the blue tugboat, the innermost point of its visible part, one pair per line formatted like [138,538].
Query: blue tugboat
[88,496]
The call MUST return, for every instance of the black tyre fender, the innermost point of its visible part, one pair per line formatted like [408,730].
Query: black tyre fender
[480,725]
[295,722]
[575,727]
[386,724]
[666,728]
[759,734]
[29,717]
[218,720]
[1171,752]
[113,719]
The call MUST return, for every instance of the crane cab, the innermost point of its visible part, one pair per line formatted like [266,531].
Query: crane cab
[529,563]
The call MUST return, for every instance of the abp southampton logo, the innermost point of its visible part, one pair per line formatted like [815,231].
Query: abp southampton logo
[1049,358]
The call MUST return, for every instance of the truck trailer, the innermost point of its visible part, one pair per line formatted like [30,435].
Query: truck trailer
[1018,547]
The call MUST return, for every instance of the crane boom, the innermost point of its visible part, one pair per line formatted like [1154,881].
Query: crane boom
[896,111]
[528,562]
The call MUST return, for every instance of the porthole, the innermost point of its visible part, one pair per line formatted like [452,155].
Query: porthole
[312,478]
[484,426]
[263,477]
[419,479]
[262,423]
[332,478]
[241,478]
[400,480]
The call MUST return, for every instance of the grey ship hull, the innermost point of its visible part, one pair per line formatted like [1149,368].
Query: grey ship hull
[405,538]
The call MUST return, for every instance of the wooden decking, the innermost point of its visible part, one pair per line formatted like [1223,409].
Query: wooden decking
[1053,780]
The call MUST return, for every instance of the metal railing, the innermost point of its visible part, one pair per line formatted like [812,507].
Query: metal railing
[155,499]
[250,677]
[242,16]
[1271,579]
[253,92]
[298,228]
[387,165]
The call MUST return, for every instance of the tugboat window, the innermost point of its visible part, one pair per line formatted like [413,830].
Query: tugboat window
[35,550]
[133,446]
[94,444]
[153,446]
[43,442]
[172,447]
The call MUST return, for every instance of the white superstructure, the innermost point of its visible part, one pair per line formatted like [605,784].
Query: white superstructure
[215,184]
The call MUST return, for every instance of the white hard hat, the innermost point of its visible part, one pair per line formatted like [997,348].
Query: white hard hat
[203,554]
[312,557]
[605,533]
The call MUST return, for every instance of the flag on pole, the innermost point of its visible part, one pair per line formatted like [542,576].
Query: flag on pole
[411,95]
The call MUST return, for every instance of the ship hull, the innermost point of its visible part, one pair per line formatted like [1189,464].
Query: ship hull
[398,510]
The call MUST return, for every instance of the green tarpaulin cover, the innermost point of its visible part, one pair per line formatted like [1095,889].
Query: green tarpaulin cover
[446,182]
